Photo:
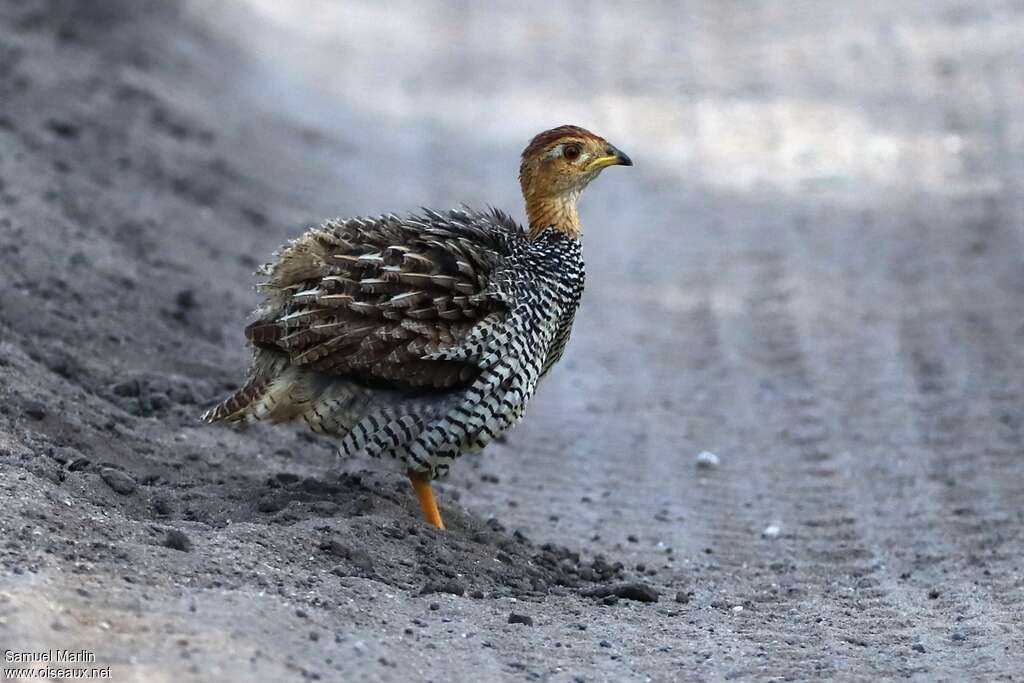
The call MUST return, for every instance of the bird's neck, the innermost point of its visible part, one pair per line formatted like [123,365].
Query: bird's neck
[557,211]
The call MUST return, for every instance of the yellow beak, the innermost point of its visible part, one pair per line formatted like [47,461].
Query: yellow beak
[613,157]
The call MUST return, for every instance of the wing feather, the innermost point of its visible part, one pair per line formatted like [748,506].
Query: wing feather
[387,299]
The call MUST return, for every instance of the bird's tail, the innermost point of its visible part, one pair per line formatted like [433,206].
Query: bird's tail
[274,391]
[371,421]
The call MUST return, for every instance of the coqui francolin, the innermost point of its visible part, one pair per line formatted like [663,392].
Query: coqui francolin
[421,337]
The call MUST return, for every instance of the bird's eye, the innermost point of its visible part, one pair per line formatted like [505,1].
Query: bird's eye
[571,152]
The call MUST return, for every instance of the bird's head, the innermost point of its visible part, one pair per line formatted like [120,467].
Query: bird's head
[556,166]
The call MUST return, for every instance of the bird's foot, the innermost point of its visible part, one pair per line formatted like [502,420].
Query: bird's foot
[425,494]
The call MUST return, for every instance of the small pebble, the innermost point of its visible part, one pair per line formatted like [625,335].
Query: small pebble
[771,531]
[35,410]
[918,647]
[325,508]
[452,587]
[272,503]
[119,481]
[162,506]
[185,299]
[682,597]
[434,606]
[707,460]
[177,540]
[737,609]
[524,619]
[640,592]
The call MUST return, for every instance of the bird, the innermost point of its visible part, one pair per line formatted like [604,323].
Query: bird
[423,336]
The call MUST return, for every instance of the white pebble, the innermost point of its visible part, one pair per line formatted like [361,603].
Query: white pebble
[771,531]
[707,460]
[737,609]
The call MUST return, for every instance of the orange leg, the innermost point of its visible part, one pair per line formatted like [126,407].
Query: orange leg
[421,485]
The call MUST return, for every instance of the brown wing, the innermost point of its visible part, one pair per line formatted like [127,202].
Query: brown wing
[369,298]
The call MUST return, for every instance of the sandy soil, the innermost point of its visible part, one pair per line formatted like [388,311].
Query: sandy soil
[815,271]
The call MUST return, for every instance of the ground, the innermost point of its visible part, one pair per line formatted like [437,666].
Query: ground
[815,271]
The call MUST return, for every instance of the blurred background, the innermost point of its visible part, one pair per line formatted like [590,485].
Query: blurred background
[788,99]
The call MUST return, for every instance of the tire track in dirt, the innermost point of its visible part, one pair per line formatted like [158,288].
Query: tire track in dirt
[700,372]
[962,294]
[899,352]
[860,366]
[821,546]
[979,388]
[967,512]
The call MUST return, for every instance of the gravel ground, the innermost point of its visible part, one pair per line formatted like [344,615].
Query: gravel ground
[786,441]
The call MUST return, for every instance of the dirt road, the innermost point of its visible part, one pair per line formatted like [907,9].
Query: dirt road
[815,271]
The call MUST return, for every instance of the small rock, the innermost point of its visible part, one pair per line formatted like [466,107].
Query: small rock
[452,587]
[162,506]
[63,129]
[514,618]
[640,592]
[959,637]
[918,647]
[707,460]
[434,606]
[185,299]
[357,556]
[610,600]
[737,609]
[771,531]
[127,388]
[325,508]
[605,643]
[178,540]
[35,409]
[682,597]
[78,464]
[272,503]
[121,482]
